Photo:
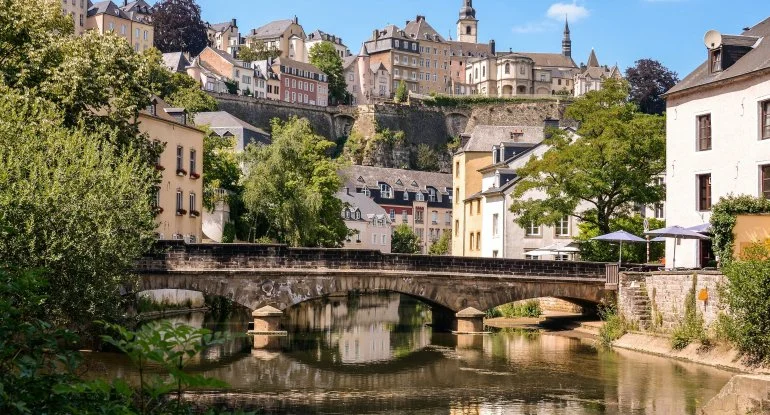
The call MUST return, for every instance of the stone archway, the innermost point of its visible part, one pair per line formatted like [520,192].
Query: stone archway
[343,124]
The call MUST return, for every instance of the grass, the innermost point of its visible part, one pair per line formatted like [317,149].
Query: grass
[529,308]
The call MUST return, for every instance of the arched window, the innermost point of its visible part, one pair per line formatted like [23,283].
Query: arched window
[484,70]
[507,68]
[386,192]
[467,30]
[477,73]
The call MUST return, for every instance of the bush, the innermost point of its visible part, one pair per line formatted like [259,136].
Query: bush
[228,233]
[691,329]
[530,308]
[614,325]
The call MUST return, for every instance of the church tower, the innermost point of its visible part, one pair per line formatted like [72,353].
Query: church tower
[566,42]
[467,25]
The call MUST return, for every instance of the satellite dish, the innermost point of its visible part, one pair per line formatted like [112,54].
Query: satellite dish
[712,39]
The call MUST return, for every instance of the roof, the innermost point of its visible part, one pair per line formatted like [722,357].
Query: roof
[420,29]
[550,59]
[223,119]
[411,180]
[271,30]
[163,110]
[109,7]
[175,61]
[592,60]
[469,49]
[360,201]
[139,6]
[484,137]
[755,60]
[348,60]
[297,64]
[321,35]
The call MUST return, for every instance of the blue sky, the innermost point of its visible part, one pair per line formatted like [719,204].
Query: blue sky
[621,31]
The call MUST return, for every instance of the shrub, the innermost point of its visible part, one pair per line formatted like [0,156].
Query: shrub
[228,233]
[723,217]
[614,326]
[530,308]
[691,329]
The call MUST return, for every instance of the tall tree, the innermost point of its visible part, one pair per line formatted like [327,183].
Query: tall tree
[609,166]
[402,93]
[178,27]
[404,240]
[257,51]
[324,56]
[290,187]
[442,245]
[649,79]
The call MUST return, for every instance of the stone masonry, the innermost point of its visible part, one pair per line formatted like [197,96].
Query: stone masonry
[656,301]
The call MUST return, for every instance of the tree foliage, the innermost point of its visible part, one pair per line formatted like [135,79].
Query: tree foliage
[257,51]
[426,158]
[178,27]
[290,187]
[402,93]
[404,240]
[71,203]
[648,80]
[442,246]
[324,56]
[609,166]
[636,253]
[724,215]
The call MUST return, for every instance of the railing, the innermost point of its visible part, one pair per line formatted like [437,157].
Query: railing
[612,271]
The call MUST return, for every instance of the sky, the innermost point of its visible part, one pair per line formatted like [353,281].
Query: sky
[621,31]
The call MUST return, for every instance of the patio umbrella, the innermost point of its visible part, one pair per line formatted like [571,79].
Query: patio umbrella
[704,228]
[538,253]
[619,236]
[677,232]
[561,248]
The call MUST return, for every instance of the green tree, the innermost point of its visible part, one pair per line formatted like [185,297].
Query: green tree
[404,241]
[71,203]
[610,166]
[178,27]
[402,93]
[178,89]
[426,158]
[600,251]
[648,80]
[290,187]
[442,245]
[324,56]
[257,51]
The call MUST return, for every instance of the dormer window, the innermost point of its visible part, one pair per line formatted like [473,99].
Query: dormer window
[347,213]
[386,192]
[432,194]
[716,60]
[152,108]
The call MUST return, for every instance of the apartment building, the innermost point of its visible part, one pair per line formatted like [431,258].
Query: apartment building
[224,36]
[178,200]
[288,36]
[78,11]
[229,68]
[132,22]
[433,61]
[302,82]
[319,36]
[398,53]
[366,82]
[271,78]
[718,135]
[421,200]
[474,155]
[370,225]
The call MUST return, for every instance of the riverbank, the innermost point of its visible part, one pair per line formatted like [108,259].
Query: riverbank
[151,315]
[554,323]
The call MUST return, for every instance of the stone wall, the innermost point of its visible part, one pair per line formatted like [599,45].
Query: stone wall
[656,301]
[175,297]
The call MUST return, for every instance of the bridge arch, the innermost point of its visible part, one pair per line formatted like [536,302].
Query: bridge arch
[456,122]
[343,124]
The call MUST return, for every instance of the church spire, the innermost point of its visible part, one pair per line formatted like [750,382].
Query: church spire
[566,42]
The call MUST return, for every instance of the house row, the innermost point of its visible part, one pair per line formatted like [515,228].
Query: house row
[130,20]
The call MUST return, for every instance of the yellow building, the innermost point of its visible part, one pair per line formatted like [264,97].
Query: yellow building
[131,22]
[288,36]
[178,201]
[433,62]
[77,10]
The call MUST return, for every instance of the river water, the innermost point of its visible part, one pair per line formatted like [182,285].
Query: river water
[374,354]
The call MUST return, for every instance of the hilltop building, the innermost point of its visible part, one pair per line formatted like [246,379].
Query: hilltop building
[367,82]
[133,22]
[718,138]
[224,36]
[78,11]
[288,36]
[318,36]
[592,75]
[370,224]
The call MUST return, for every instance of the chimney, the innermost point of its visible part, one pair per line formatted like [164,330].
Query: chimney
[234,23]
[347,191]
[492,47]
[376,34]
[420,18]
[125,3]
[253,31]
[296,19]
[407,22]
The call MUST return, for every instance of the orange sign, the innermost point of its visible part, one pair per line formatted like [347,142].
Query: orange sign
[703,295]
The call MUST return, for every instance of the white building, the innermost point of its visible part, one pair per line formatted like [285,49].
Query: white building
[366,81]
[718,134]
[319,36]
[592,75]
[370,223]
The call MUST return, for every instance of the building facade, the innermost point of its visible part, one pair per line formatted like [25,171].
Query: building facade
[224,124]
[224,36]
[366,82]
[398,53]
[319,36]
[301,82]
[421,200]
[370,226]
[288,36]
[226,66]
[132,22]
[78,11]
[178,200]
[592,75]
[718,135]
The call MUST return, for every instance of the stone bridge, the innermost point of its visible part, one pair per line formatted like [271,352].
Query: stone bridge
[256,276]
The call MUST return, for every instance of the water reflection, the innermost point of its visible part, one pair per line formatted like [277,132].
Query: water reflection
[374,354]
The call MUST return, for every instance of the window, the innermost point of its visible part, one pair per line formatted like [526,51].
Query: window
[434,217]
[659,211]
[405,216]
[374,239]
[472,240]
[704,191]
[478,241]
[533,230]
[386,192]
[478,206]
[393,214]
[495,225]
[192,203]
[562,227]
[398,44]
[457,228]
[347,214]
[156,197]
[716,60]
[420,197]
[522,69]
[384,239]
[358,215]
[764,181]
[418,216]
[561,257]
[432,195]
[406,195]
[764,119]
[179,200]
[179,157]
[193,161]
[704,132]
[507,68]
[123,30]
[527,256]
[137,32]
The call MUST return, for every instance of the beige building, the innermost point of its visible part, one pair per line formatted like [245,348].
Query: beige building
[368,222]
[78,10]
[398,53]
[224,36]
[433,62]
[226,66]
[288,36]
[592,75]
[366,82]
[421,200]
[178,201]
[131,22]
[319,36]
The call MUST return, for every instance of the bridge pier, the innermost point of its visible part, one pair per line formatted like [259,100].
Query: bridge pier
[470,321]
[267,328]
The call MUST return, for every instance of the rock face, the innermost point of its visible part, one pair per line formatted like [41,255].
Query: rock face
[743,394]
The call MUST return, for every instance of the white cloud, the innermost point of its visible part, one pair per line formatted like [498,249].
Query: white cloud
[533,27]
[575,12]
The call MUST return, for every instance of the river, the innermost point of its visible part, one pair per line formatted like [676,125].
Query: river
[374,354]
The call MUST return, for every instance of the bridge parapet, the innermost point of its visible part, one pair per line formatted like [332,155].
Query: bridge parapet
[171,256]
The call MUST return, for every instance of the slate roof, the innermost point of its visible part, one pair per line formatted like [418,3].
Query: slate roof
[140,6]
[593,61]
[271,30]
[469,49]
[223,119]
[348,60]
[755,60]
[162,110]
[420,29]
[360,201]
[108,7]
[484,137]
[550,59]
[321,35]
[175,62]
[297,64]
[411,180]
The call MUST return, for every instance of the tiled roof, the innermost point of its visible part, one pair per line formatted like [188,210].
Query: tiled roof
[360,201]
[223,119]
[411,180]
[550,59]
[420,29]
[755,60]
[271,30]
[484,137]
[299,65]
[469,49]
[175,61]
[348,60]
